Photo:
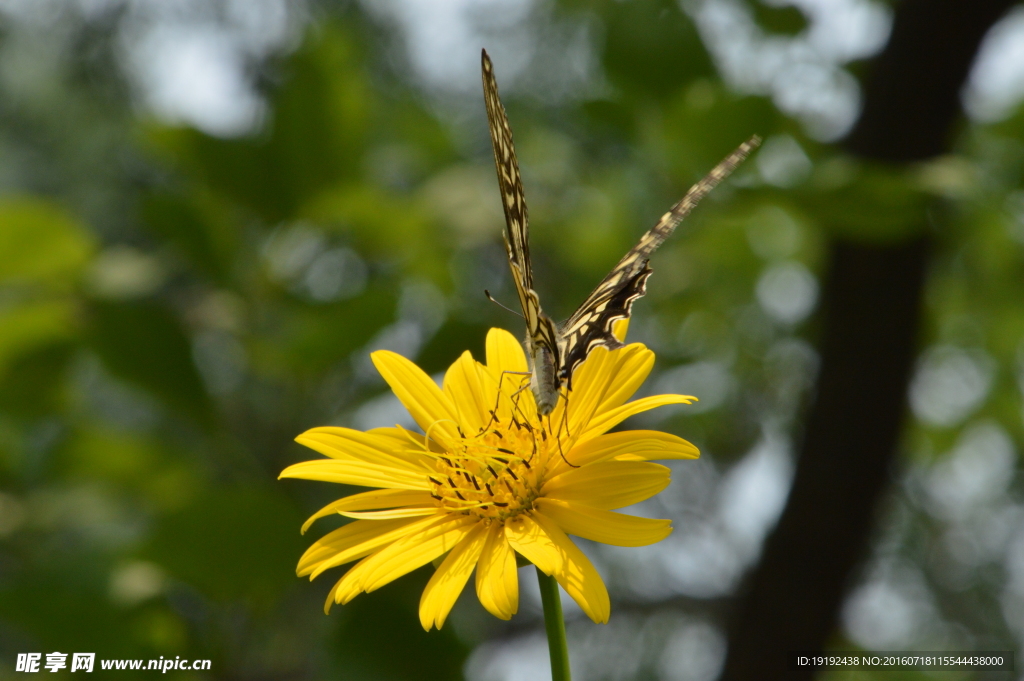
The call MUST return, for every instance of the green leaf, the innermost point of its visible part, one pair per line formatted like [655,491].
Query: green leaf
[30,326]
[189,224]
[388,617]
[783,20]
[234,543]
[317,136]
[31,383]
[40,243]
[881,204]
[651,48]
[143,343]
[312,339]
[706,122]
[450,341]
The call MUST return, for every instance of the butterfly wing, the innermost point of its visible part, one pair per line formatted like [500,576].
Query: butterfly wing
[591,324]
[540,330]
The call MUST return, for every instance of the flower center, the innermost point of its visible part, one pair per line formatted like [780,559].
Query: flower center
[495,474]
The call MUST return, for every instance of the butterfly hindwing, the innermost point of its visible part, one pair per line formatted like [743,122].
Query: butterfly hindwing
[591,326]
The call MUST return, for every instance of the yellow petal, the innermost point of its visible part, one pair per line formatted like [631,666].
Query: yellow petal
[351,542]
[354,445]
[504,353]
[602,423]
[606,527]
[497,580]
[350,585]
[465,389]
[407,512]
[509,372]
[574,571]
[356,473]
[336,594]
[603,382]
[427,404]
[399,436]
[402,438]
[355,580]
[377,498]
[589,385]
[609,484]
[628,445]
[447,582]
[620,328]
[527,537]
[632,365]
[415,550]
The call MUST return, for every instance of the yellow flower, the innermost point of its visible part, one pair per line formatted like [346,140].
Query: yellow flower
[489,478]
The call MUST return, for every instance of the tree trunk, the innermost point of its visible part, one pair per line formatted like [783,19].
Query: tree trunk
[872,300]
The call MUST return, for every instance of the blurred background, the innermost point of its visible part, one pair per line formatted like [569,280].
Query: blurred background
[212,211]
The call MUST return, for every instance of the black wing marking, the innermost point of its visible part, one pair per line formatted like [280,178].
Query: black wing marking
[612,299]
[540,330]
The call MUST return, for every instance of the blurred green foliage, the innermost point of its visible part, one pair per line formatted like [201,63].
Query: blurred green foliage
[175,307]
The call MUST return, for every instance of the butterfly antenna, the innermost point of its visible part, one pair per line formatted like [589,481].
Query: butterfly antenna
[492,299]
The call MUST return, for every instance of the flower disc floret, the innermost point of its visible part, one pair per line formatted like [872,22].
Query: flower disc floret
[490,475]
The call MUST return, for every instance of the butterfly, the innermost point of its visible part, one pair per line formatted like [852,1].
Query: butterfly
[554,351]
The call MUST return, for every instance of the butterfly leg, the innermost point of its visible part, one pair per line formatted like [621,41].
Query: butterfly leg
[497,401]
[565,423]
[514,397]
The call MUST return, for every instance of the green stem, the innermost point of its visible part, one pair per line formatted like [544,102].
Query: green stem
[554,623]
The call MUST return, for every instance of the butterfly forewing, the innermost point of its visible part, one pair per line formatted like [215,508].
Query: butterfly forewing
[591,324]
[541,331]
[516,220]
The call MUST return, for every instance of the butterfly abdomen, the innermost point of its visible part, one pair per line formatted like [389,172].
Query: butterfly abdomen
[543,377]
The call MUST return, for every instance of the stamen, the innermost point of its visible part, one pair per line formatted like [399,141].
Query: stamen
[473,475]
